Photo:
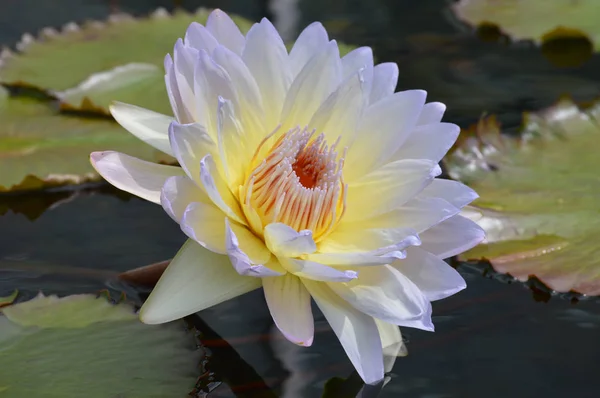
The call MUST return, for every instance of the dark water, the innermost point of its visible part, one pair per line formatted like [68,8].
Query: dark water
[495,339]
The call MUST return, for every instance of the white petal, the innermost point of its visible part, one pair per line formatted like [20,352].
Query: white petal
[178,105]
[190,143]
[267,59]
[289,304]
[138,177]
[435,278]
[356,331]
[218,191]
[418,214]
[388,188]
[205,223]
[430,141]
[251,108]
[454,192]
[251,263]
[311,41]
[319,77]
[148,126]
[432,112]
[338,116]
[194,280]
[384,293]
[283,240]
[393,345]
[225,31]
[383,129]
[385,79]
[177,193]
[200,38]
[351,238]
[316,271]
[359,58]
[423,323]
[211,81]
[452,237]
[184,61]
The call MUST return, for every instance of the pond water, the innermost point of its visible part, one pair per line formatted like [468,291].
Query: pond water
[495,339]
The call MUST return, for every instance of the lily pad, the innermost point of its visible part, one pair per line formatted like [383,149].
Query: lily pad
[83,346]
[41,148]
[540,196]
[84,67]
[539,20]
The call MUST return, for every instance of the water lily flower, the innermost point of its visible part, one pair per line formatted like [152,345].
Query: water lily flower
[305,174]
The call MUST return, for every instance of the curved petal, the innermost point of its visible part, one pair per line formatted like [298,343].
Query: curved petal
[177,193]
[355,60]
[452,237]
[182,80]
[311,41]
[423,323]
[388,188]
[205,223]
[138,177]
[338,116]
[432,112]
[178,105]
[418,214]
[251,260]
[431,141]
[194,280]
[356,331]
[218,191]
[283,240]
[200,38]
[289,304]
[148,126]
[354,239]
[385,79]
[190,143]
[251,108]
[319,77]
[454,192]
[436,279]
[383,129]
[211,81]
[267,59]
[384,293]
[393,345]
[316,271]
[225,31]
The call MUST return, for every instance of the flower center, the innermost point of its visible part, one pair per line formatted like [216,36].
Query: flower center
[299,183]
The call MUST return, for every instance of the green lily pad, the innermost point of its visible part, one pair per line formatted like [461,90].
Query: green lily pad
[131,71]
[539,196]
[8,299]
[41,148]
[83,346]
[534,20]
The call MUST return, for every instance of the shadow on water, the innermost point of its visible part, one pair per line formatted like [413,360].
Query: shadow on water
[491,340]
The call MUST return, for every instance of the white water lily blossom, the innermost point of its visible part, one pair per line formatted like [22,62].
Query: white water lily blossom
[305,174]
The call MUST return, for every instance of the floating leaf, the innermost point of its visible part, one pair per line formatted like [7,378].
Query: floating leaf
[40,148]
[534,20]
[83,346]
[8,299]
[539,196]
[76,64]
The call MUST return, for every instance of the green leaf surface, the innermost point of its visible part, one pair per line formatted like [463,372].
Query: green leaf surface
[68,61]
[536,20]
[40,147]
[83,346]
[539,195]
[8,299]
